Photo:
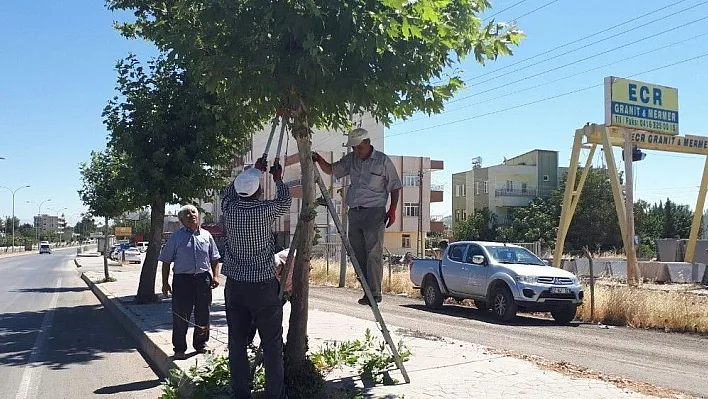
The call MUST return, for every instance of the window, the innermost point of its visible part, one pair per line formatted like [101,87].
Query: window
[518,255]
[405,241]
[457,190]
[464,190]
[486,187]
[524,188]
[464,214]
[456,252]
[476,188]
[457,214]
[473,250]
[411,209]
[546,178]
[509,185]
[411,180]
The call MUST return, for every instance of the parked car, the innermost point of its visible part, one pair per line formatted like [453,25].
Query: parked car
[143,246]
[45,248]
[504,277]
[132,255]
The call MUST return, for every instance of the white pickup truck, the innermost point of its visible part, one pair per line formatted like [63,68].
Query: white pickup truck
[508,278]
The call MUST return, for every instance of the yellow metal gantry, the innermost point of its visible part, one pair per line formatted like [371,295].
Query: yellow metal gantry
[609,137]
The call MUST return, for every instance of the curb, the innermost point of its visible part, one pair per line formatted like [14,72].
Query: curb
[160,360]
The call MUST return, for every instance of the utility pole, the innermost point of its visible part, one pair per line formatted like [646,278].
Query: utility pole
[420,242]
[13,212]
[345,219]
[629,205]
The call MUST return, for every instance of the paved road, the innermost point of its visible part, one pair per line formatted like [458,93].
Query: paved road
[57,341]
[675,361]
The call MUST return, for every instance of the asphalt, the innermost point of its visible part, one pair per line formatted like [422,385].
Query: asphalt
[57,341]
[668,360]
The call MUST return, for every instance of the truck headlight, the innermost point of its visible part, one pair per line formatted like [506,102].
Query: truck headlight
[527,279]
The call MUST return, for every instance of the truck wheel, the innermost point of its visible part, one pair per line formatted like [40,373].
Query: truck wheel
[431,294]
[481,305]
[503,305]
[565,314]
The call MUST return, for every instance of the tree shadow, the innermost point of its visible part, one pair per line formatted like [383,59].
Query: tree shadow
[129,387]
[48,290]
[487,317]
[350,387]
[78,335]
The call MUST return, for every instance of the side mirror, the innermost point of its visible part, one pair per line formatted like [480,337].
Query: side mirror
[478,259]
[547,262]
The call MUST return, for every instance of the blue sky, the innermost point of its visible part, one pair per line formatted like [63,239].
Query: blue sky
[56,73]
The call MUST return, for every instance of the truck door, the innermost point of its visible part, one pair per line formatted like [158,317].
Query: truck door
[454,269]
[476,274]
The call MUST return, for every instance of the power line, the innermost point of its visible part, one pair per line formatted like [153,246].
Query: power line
[534,10]
[579,40]
[544,99]
[582,47]
[506,9]
[620,47]
[558,79]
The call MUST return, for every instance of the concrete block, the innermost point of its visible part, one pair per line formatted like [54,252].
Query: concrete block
[654,271]
[666,249]
[682,272]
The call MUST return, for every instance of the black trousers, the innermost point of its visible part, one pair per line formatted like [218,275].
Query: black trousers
[190,292]
[255,303]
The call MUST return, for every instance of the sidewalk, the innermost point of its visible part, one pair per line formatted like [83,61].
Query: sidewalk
[438,368]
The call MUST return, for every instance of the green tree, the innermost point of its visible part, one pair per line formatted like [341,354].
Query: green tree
[535,222]
[175,139]
[85,226]
[595,222]
[313,60]
[481,225]
[104,190]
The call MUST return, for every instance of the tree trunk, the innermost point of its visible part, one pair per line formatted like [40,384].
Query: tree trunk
[296,348]
[105,251]
[146,287]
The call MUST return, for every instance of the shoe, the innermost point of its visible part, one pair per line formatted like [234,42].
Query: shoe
[203,350]
[179,356]
[365,301]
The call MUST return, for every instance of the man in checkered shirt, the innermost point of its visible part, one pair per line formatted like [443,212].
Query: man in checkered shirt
[251,291]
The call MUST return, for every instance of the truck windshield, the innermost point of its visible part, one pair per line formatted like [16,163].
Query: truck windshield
[515,255]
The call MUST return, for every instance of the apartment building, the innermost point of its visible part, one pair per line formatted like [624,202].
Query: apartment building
[513,183]
[50,224]
[413,221]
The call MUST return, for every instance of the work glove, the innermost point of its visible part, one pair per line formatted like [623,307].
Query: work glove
[261,164]
[390,216]
[277,171]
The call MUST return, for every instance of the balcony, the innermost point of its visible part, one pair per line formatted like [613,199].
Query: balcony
[504,192]
[437,193]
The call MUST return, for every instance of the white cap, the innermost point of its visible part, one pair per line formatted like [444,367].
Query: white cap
[356,136]
[247,183]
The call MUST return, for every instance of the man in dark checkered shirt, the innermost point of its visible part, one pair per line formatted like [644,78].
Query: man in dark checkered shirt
[251,291]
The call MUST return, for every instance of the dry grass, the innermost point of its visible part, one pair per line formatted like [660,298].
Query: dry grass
[398,283]
[615,304]
[621,305]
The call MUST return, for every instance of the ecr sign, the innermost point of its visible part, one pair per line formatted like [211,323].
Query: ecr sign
[641,106]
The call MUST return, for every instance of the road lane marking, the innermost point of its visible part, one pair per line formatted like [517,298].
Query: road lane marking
[29,384]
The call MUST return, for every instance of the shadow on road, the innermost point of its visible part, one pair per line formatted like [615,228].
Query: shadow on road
[78,334]
[51,290]
[130,387]
[487,317]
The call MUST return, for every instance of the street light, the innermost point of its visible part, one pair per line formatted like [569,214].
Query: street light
[13,211]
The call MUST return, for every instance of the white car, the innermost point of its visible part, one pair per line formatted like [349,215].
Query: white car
[132,255]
